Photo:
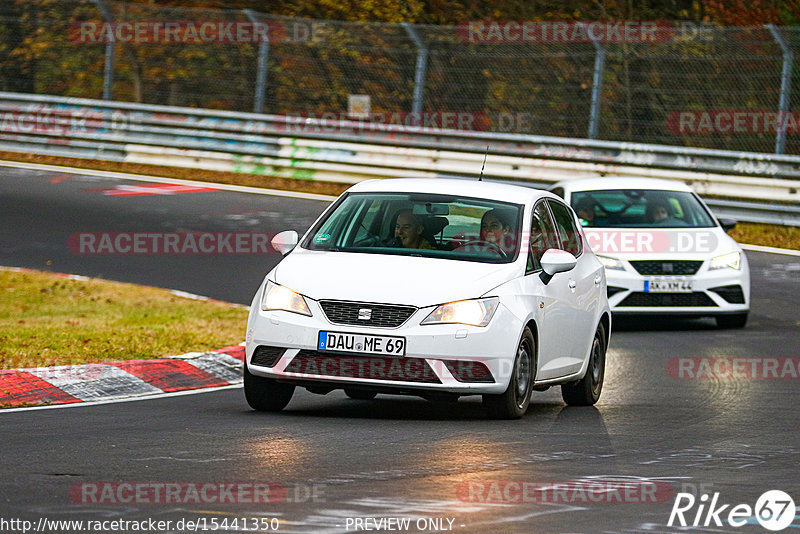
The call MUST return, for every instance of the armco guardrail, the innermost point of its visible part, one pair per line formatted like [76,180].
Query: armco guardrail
[350,151]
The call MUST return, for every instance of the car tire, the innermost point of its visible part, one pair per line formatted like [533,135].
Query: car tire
[360,394]
[586,391]
[266,394]
[513,403]
[734,320]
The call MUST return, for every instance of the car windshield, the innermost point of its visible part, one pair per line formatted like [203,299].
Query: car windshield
[640,208]
[420,224]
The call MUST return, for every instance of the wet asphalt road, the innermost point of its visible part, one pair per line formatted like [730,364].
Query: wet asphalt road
[395,456]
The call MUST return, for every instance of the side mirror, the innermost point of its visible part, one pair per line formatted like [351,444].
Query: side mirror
[727,224]
[285,241]
[556,261]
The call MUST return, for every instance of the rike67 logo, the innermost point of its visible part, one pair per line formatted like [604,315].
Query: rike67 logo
[774,510]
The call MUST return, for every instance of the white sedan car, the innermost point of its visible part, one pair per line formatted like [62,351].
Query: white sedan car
[664,251]
[436,288]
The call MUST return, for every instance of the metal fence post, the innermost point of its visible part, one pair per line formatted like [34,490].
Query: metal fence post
[261,71]
[108,71]
[597,88]
[422,66]
[786,87]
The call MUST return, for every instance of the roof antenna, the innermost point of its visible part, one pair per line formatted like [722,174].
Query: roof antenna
[480,178]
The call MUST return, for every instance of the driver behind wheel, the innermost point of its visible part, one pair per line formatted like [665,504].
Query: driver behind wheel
[408,231]
[496,229]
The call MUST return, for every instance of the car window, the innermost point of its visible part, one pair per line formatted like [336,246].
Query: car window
[543,236]
[371,220]
[441,226]
[640,208]
[569,236]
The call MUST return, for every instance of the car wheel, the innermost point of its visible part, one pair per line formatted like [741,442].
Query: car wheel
[586,391]
[735,320]
[360,394]
[266,394]
[513,403]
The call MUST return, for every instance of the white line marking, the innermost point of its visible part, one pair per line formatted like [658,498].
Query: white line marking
[192,296]
[158,179]
[203,298]
[773,250]
[117,401]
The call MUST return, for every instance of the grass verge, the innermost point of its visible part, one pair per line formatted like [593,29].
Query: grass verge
[50,320]
[768,235]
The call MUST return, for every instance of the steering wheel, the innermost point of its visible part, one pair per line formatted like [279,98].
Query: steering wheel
[369,240]
[472,245]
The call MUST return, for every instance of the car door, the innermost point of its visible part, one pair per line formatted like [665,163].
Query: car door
[551,300]
[584,281]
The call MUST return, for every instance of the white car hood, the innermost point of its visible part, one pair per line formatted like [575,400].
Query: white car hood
[389,279]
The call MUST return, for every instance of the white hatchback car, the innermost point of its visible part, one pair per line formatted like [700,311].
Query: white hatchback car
[664,251]
[436,288]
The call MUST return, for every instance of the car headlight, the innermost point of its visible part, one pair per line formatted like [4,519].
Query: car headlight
[476,312]
[282,298]
[732,260]
[611,263]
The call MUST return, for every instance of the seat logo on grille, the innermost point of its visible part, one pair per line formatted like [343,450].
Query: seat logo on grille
[364,314]
[667,267]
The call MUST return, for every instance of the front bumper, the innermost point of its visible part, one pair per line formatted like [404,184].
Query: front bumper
[447,358]
[714,292]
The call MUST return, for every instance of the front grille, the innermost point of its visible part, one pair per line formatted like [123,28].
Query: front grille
[310,362]
[381,315]
[666,267]
[732,294]
[469,371]
[265,356]
[676,300]
[613,290]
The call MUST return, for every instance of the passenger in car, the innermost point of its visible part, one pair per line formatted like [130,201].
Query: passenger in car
[408,231]
[657,212]
[496,229]
[585,210]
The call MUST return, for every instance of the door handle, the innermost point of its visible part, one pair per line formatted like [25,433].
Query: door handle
[597,280]
[572,284]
